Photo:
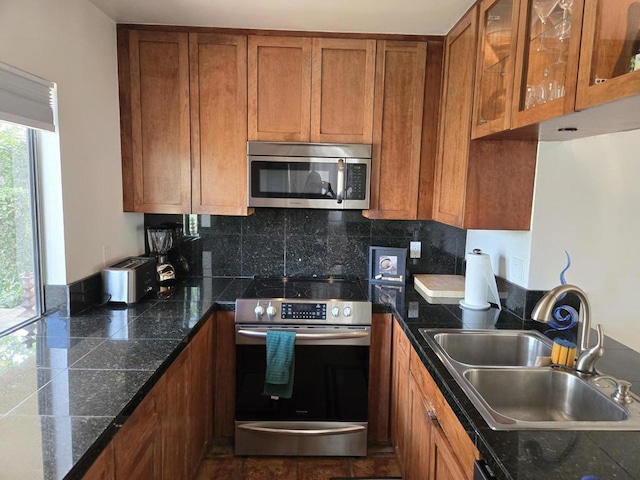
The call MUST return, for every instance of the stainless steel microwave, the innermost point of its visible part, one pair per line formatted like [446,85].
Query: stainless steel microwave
[309,175]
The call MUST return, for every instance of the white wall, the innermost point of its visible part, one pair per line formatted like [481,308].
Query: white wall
[73,44]
[587,202]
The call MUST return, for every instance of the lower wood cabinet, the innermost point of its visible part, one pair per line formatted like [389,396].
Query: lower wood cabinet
[443,463]
[103,467]
[138,445]
[379,378]
[224,375]
[428,438]
[167,434]
[400,415]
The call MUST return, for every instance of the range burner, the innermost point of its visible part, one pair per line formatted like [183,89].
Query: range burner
[275,292]
[309,288]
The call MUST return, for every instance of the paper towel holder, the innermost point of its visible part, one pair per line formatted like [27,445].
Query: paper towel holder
[490,285]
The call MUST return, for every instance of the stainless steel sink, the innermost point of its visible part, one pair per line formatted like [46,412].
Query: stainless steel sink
[495,369]
[543,396]
[499,348]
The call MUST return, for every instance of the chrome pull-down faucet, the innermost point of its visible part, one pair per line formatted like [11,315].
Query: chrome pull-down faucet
[587,355]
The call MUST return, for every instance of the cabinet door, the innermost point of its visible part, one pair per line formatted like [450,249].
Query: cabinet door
[225,374]
[419,444]
[102,468]
[379,379]
[218,79]
[155,132]
[138,445]
[200,395]
[343,75]
[443,464]
[611,35]
[547,60]
[173,409]
[397,131]
[400,404]
[279,88]
[498,33]
[455,122]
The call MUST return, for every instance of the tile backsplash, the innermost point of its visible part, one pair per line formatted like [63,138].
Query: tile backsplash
[274,242]
[300,242]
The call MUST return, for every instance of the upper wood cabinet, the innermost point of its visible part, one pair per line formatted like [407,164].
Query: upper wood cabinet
[455,121]
[342,89]
[397,129]
[154,105]
[311,89]
[610,36]
[218,83]
[571,56]
[547,60]
[183,119]
[479,184]
[279,88]
[495,66]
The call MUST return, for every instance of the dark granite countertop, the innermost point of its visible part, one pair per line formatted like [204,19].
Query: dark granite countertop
[532,454]
[67,383]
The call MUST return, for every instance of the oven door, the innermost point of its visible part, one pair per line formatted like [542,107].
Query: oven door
[327,412]
[304,182]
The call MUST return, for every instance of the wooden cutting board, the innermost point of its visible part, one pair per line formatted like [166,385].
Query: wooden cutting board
[451,286]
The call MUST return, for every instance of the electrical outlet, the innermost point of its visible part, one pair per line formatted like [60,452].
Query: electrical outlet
[415,249]
[517,270]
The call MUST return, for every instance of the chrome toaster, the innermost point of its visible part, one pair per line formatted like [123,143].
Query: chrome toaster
[129,280]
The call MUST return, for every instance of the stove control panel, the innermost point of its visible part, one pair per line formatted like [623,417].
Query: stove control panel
[302,311]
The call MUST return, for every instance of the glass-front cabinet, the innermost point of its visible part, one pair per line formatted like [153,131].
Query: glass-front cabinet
[498,31]
[610,55]
[547,60]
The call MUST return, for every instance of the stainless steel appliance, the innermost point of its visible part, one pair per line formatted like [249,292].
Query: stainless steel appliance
[308,175]
[327,411]
[129,280]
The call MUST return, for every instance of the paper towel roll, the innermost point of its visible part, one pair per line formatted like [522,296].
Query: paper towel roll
[479,282]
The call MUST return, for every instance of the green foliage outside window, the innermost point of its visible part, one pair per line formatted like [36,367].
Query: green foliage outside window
[16,241]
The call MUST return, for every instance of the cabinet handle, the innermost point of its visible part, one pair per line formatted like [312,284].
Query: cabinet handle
[340,181]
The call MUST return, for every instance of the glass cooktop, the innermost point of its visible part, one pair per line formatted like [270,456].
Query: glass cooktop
[306,288]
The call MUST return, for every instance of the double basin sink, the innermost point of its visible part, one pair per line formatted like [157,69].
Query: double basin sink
[497,370]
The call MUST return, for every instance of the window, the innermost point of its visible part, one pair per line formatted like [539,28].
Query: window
[20,298]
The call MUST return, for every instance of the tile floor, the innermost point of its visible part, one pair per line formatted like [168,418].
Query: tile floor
[220,463]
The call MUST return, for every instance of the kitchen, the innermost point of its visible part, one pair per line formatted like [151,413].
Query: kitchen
[583,203]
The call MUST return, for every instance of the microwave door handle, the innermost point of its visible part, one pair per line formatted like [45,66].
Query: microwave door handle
[340,186]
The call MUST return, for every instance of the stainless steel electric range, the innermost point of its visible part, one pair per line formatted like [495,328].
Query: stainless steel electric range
[327,411]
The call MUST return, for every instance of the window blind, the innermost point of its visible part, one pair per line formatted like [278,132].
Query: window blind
[25,99]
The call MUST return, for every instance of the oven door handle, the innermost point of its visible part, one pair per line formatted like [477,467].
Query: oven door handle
[261,427]
[308,336]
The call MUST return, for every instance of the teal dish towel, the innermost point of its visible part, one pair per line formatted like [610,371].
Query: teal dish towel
[278,381]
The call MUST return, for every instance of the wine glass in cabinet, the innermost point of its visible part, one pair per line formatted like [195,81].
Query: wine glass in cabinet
[495,66]
[546,69]
[610,41]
